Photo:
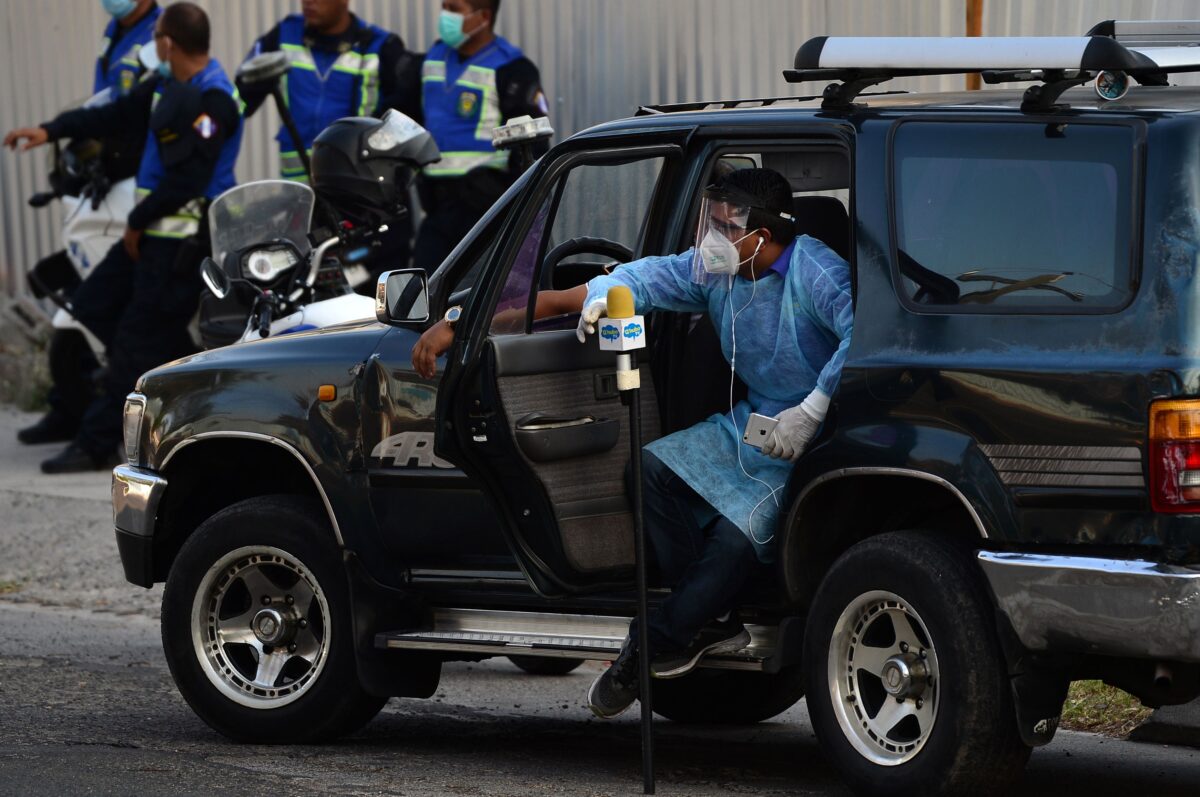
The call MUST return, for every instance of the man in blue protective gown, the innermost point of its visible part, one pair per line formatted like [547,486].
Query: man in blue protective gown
[783,309]
[784,312]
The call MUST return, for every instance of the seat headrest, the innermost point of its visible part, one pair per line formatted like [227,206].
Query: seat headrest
[823,218]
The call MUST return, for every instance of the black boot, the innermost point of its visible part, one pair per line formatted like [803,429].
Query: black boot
[77,459]
[53,427]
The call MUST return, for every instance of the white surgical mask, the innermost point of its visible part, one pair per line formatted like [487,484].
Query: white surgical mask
[720,255]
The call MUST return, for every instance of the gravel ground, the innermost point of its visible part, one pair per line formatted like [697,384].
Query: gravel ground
[56,533]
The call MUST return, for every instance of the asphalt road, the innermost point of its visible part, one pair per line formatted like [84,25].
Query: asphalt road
[87,705]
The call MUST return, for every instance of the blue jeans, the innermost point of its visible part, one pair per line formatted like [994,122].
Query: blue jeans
[706,564]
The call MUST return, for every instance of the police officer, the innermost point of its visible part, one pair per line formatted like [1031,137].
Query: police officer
[118,67]
[340,66]
[472,81]
[143,294]
[117,70]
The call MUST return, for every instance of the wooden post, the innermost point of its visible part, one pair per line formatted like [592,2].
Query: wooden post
[974,28]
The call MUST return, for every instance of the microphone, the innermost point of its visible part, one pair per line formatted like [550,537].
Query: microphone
[622,331]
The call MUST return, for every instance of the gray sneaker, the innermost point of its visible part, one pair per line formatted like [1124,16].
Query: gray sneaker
[617,687]
[726,637]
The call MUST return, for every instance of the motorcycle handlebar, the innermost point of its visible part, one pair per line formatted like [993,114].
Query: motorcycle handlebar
[42,198]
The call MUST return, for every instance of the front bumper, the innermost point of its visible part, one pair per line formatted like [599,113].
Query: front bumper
[1108,607]
[136,494]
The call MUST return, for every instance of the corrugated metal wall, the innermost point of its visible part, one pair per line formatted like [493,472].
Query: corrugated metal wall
[599,59]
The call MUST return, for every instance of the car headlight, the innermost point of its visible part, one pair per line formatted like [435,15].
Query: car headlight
[265,265]
[135,410]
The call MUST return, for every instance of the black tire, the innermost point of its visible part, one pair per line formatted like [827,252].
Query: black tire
[727,697]
[971,744]
[542,665]
[326,701]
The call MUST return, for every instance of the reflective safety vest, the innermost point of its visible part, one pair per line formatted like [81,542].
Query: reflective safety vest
[120,71]
[462,106]
[186,221]
[323,87]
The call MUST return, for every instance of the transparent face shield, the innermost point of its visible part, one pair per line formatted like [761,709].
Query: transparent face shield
[724,223]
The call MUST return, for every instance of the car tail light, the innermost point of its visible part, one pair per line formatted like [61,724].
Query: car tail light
[1175,456]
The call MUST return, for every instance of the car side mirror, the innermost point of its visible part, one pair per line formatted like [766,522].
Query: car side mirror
[216,280]
[264,68]
[402,297]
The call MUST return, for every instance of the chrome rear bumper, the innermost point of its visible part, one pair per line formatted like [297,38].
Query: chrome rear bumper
[1110,607]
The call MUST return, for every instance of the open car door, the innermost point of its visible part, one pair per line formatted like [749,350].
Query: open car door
[524,408]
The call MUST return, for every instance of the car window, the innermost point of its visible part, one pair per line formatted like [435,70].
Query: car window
[605,200]
[1021,217]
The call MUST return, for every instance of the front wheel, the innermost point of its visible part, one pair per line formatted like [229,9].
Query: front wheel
[256,626]
[907,686]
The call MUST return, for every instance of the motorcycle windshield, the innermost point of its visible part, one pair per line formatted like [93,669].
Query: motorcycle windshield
[253,214]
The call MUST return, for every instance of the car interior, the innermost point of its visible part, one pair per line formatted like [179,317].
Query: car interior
[565,419]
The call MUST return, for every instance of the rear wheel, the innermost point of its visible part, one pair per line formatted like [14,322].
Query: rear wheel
[907,686]
[727,697]
[543,665]
[256,626]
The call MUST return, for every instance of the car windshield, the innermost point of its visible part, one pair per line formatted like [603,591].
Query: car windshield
[259,213]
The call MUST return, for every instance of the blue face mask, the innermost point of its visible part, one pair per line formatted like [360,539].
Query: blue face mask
[450,28]
[163,68]
[119,8]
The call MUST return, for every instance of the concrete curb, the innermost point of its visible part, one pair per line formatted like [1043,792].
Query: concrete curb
[1171,725]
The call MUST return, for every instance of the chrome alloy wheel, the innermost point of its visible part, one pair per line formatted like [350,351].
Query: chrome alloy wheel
[883,678]
[260,627]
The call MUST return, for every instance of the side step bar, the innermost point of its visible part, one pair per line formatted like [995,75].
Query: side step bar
[570,636]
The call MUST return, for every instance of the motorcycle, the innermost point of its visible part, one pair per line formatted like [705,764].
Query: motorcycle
[262,249]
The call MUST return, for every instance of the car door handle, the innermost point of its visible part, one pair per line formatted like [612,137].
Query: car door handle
[547,438]
[537,422]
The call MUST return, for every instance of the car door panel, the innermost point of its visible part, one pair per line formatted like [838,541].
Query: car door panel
[587,493]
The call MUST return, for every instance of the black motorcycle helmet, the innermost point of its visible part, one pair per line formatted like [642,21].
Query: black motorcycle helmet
[362,167]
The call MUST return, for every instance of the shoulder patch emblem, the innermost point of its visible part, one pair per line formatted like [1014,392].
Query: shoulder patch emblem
[467,102]
[204,126]
[539,100]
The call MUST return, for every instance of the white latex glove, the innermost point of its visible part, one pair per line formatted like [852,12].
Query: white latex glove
[591,314]
[796,428]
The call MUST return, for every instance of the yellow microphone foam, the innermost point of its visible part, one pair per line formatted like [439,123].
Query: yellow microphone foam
[620,302]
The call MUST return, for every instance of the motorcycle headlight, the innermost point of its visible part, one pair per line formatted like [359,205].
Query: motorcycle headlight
[265,265]
[135,410]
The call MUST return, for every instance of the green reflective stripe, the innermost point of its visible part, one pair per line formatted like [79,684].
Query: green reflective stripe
[290,163]
[369,75]
[299,57]
[185,222]
[456,164]
[241,104]
[433,70]
[131,57]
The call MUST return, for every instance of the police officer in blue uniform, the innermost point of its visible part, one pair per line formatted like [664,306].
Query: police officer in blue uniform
[340,66]
[472,81]
[118,67]
[117,70]
[144,293]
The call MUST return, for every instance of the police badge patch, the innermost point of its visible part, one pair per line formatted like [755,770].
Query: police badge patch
[466,103]
[204,126]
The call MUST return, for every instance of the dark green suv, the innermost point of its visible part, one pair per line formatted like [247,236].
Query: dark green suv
[1004,497]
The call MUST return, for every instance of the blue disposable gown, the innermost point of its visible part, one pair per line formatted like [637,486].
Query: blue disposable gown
[791,338]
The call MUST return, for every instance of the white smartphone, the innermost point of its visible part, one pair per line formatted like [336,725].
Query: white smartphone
[758,429]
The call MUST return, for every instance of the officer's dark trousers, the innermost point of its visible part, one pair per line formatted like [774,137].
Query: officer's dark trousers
[706,567]
[140,311]
[452,207]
